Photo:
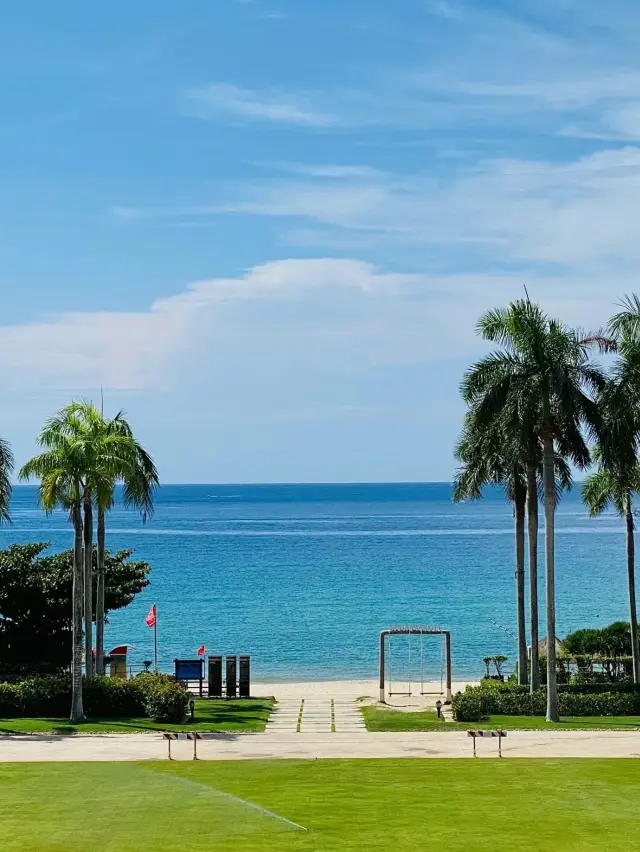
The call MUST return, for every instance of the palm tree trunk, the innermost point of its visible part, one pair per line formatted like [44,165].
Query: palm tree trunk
[100,596]
[519,504]
[532,520]
[88,588]
[548,476]
[631,571]
[77,710]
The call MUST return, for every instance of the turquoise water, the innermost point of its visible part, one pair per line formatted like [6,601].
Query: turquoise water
[303,577]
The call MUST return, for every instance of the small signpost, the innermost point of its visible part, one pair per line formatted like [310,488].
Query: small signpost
[498,734]
[168,737]
[195,737]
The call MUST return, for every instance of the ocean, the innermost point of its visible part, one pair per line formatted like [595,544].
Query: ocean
[303,577]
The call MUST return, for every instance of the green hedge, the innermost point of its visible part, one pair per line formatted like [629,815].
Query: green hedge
[157,696]
[479,702]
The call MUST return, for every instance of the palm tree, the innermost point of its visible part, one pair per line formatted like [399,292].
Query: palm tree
[6,469]
[507,452]
[117,457]
[610,487]
[82,460]
[139,479]
[618,474]
[61,469]
[540,362]
[489,456]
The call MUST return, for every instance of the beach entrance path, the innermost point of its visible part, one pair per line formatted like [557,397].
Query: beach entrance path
[315,716]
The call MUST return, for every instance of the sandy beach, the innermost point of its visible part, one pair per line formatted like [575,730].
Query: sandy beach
[352,689]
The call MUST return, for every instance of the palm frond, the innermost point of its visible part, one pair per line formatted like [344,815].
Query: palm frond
[627,320]
[6,469]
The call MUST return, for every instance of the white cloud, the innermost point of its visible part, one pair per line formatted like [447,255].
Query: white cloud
[277,107]
[287,318]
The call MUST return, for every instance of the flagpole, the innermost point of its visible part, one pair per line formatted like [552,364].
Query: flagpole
[155,642]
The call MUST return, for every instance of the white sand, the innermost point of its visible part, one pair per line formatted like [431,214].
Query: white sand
[347,689]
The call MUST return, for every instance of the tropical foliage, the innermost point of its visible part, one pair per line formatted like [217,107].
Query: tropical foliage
[35,603]
[6,469]
[84,457]
[539,405]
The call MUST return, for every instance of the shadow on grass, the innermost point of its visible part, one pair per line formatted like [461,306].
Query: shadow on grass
[233,716]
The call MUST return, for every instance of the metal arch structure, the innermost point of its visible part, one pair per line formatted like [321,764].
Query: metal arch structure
[428,630]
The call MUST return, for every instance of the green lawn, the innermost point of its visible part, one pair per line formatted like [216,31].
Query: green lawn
[377,719]
[239,715]
[404,805]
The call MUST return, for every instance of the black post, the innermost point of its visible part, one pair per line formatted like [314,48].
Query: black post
[215,677]
[232,686]
[382,635]
[245,677]
[447,642]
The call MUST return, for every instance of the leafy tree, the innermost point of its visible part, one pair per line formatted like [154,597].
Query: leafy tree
[35,601]
[584,641]
[540,365]
[498,661]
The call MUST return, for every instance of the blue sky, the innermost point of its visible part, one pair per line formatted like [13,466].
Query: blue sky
[268,227]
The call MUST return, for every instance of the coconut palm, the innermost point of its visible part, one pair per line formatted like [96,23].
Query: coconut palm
[508,453]
[489,457]
[61,469]
[540,362]
[618,476]
[611,487]
[139,479]
[124,460]
[6,469]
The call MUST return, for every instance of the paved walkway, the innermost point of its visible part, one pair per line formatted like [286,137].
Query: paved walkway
[315,716]
[353,744]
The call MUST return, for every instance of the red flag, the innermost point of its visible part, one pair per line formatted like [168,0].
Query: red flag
[201,650]
[150,620]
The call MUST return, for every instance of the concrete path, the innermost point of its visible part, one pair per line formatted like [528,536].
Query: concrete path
[315,716]
[352,744]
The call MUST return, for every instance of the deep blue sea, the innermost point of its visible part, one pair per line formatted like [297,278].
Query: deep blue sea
[303,577]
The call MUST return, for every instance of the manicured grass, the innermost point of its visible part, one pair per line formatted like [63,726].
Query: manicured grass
[404,805]
[240,715]
[377,719]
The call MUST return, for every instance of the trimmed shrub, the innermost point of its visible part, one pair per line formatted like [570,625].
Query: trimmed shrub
[513,700]
[10,701]
[602,704]
[469,706]
[157,696]
[148,681]
[167,702]
[112,698]
[597,687]
[45,696]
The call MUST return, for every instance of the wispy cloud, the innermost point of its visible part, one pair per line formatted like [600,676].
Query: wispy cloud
[321,170]
[577,215]
[215,99]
